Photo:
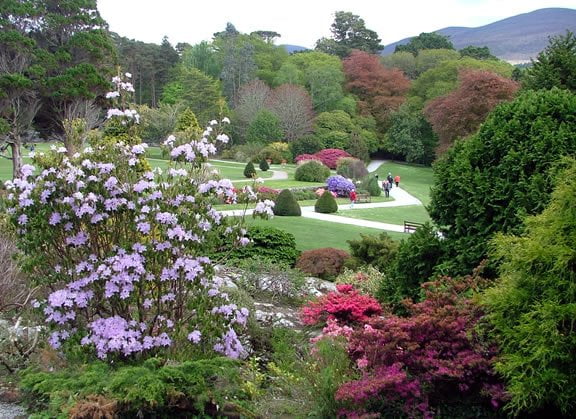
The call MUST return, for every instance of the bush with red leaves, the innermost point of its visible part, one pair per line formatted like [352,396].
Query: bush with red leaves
[330,156]
[430,363]
[347,306]
[326,263]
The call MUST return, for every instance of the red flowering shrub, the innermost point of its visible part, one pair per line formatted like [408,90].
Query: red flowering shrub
[426,361]
[304,157]
[325,263]
[330,156]
[346,306]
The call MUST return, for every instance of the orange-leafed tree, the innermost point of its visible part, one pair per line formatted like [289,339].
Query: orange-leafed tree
[380,90]
[461,112]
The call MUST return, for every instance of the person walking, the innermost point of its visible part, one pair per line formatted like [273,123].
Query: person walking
[386,187]
[397,180]
[390,179]
[352,198]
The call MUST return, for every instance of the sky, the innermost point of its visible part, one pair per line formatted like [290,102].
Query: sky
[303,22]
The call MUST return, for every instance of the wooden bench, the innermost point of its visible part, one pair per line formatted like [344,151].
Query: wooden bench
[410,226]
[363,197]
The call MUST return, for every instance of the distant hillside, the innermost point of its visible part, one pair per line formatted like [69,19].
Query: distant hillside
[293,48]
[515,39]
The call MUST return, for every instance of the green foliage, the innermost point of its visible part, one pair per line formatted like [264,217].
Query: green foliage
[286,204]
[367,280]
[265,128]
[311,171]
[357,147]
[187,122]
[426,40]
[402,60]
[269,243]
[479,53]
[158,123]
[372,186]
[378,251]
[249,170]
[309,144]
[349,32]
[264,166]
[487,183]
[155,388]
[414,264]
[555,66]
[411,136]
[531,309]
[326,204]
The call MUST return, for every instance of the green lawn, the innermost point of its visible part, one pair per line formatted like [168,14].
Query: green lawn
[314,234]
[305,203]
[417,180]
[392,215]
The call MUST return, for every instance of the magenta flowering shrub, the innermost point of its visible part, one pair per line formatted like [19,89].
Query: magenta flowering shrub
[123,249]
[305,157]
[330,156]
[339,185]
[421,361]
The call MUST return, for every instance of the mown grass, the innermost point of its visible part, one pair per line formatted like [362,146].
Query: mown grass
[416,180]
[315,234]
[391,215]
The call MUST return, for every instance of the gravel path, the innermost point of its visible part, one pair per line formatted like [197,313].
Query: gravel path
[12,411]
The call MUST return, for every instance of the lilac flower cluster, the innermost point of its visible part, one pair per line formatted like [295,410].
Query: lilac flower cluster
[122,112]
[340,185]
[123,252]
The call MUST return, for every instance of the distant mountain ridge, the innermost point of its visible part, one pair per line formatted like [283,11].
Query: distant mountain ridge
[516,39]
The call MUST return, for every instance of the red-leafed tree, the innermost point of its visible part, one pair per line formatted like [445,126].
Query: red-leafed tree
[461,112]
[292,104]
[380,90]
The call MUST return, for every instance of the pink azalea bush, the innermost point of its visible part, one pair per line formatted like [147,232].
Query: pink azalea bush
[329,157]
[122,248]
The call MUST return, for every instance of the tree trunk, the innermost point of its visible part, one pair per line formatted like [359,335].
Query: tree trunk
[16,159]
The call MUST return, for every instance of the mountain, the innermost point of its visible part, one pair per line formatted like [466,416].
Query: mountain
[293,48]
[515,39]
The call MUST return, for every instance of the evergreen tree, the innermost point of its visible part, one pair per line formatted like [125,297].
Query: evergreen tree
[249,170]
[286,204]
[326,204]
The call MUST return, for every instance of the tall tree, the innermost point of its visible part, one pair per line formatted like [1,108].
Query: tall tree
[555,66]
[380,90]
[426,40]
[293,106]
[461,112]
[252,99]
[349,32]
[480,53]
[411,136]
[267,36]
[204,57]
[238,65]
[19,99]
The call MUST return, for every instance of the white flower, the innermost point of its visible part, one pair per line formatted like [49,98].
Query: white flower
[223,138]
[226,120]
[259,180]
[128,75]
[112,95]
[213,122]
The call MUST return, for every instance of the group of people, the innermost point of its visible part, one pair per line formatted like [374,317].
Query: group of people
[389,182]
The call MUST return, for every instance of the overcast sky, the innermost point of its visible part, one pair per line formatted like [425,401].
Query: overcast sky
[302,22]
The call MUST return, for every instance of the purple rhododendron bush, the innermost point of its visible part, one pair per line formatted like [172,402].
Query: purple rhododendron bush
[122,248]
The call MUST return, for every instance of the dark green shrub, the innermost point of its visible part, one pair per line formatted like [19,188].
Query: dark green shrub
[304,194]
[326,204]
[264,166]
[351,168]
[286,204]
[378,251]
[311,171]
[309,144]
[414,264]
[268,243]
[325,263]
[373,186]
[357,147]
[152,389]
[249,170]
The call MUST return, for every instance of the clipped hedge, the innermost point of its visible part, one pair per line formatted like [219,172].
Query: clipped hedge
[326,204]
[264,166]
[312,171]
[326,263]
[286,204]
[249,170]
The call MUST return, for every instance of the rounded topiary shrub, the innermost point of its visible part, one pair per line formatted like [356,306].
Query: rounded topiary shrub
[311,171]
[249,170]
[286,204]
[264,166]
[326,204]
[373,186]
[325,263]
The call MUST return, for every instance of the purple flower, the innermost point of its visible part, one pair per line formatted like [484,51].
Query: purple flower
[143,227]
[78,240]
[195,336]
[23,219]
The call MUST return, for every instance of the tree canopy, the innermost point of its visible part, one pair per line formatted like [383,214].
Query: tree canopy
[426,40]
